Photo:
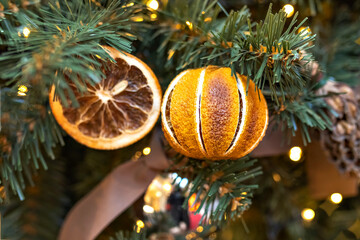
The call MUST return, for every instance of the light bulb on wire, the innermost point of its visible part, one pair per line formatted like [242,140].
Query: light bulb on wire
[147,151]
[153,4]
[26,32]
[308,214]
[22,90]
[289,10]
[336,198]
[295,153]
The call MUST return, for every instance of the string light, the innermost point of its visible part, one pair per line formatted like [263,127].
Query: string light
[336,198]
[147,151]
[148,209]
[307,214]
[289,10]
[153,16]
[137,19]
[167,187]
[189,24]
[22,90]
[305,31]
[295,154]
[140,224]
[158,194]
[199,229]
[276,177]
[26,32]
[153,4]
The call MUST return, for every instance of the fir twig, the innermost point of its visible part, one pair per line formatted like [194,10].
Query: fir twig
[223,188]
[65,39]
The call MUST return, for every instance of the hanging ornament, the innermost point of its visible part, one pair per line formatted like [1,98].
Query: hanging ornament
[208,114]
[118,111]
[343,140]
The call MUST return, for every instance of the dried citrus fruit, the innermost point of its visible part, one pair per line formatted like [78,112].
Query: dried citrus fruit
[118,111]
[208,114]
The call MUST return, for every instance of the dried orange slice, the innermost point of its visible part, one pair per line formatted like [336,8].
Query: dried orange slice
[118,111]
[208,114]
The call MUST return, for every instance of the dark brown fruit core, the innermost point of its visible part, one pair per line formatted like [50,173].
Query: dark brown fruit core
[120,103]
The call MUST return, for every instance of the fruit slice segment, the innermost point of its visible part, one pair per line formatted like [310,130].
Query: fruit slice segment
[184,99]
[118,111]
[220,109]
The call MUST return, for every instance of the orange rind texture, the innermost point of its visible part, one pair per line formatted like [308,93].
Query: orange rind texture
[208,114]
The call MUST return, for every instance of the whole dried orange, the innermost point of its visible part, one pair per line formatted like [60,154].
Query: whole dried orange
[118,111]
[208,114]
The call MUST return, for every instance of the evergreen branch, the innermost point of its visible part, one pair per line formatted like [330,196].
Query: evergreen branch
[306,111]
[135,235]
[39,215]
[29,132]
[341,57]
[224,181]
[267,52]
[64,40]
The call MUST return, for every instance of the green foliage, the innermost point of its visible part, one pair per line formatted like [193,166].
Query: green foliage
[133,236]
[303,113]
[273,53]
[227,181]
[342,57]
[40,215]
[64,39]
[267,52]
[29,130]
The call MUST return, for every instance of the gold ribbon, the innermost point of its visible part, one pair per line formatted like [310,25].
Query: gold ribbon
[119,190]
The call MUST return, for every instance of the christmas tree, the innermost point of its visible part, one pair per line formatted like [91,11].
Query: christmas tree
[180,119]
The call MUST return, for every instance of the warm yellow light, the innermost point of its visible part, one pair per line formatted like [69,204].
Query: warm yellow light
[295,154]
[148,209]
[289,10]
[305,33]
[147,151]
[26,32]
[276,177]
[153,4]
[140,224]
[171,53]
[167,187]
[22,90]
[158,194]
[153,16]
[199,229]
[189,24]
[307,214]
[336,198]
[138,19]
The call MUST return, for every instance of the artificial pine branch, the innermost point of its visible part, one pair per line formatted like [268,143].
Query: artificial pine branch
[40,215]
[273,53]
[227,181]
[64,40]
[267,52]
[135,235]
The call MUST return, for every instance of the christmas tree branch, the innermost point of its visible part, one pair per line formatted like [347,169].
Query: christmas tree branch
[135,235]
[273,53]
[223,189]
[40,215]
[267,52]
[42,46]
